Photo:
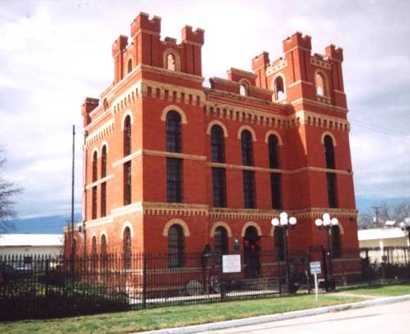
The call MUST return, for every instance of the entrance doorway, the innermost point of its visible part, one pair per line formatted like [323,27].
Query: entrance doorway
[251,250]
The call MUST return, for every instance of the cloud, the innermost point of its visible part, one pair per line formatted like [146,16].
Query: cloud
[54,53]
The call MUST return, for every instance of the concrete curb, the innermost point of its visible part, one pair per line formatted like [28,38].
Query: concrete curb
[277,317]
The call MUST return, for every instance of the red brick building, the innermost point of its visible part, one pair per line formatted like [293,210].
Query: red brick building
[172,165]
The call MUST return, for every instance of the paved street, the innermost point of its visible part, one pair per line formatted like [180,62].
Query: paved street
[386,319]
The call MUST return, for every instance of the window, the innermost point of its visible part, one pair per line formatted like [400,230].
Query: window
[126,245]
[217,144]
[104,161]
[104,254]
[94,246]
[94,167]
[243,90]
[129,68]
[103,195]
[329,152]
[219,187]
[273,143]
[94,203]
[336,242]
[171,62]
[174,180]
[176,246]
[127,136]
[221,244]
[276,190]
[279,89]
[320,84]
[332,189]
[249,189]
[74,247]
[280,243]
[247,149]
[127,183]
[173,132]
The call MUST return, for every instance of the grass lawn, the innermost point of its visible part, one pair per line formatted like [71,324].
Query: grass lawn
[164,317]
[382,290]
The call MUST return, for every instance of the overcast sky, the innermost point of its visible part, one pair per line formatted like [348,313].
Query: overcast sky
[54,53]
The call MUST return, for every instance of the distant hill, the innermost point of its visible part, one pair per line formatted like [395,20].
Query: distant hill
[43,225]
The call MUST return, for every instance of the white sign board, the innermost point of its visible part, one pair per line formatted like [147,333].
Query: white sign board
[315,267]
[231,263]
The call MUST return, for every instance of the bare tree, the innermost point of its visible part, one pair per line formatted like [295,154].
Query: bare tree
[8,190]
[385,211]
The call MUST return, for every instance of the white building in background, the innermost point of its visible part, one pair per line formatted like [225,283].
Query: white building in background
[31,245]
[385,239]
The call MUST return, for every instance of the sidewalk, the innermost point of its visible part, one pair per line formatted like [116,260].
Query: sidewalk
[277,317]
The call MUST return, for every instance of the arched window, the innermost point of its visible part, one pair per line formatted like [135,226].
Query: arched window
[173,131]
[279,89]
[320,84]
[126,246]
[103,201]
[93,246]
[329,152]
[243,90]
[251,252]
[103,250]
[221,244]
[94,167]
[104,161]
[127,183]
[129,68]
[94,202]
[247,148]
[171,62]
[336,242]
[217,144]
[103,245]
[280,243]
[273,143]
[176,246]
[127,136]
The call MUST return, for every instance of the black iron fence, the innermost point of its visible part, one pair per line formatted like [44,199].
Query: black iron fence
[45,287]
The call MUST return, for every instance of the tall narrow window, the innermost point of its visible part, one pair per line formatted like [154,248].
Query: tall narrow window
[336,242]
[329,152]
[127,136]
[104,252]
[279,89]
[95,167]
[217,144]
[273,143]
[320,84]
[94,203]
[129,66]
[127,247]
[127,183]
[280,243]
[219,187]
[103,201]
[249,189]
[243,89]
[332,190]
[104,161]
[173,131]
[247,148]
[221,241]
[94,246]
[174,180]
[276,190]
[176,246]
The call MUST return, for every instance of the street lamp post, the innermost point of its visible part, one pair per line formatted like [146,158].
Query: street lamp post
[326,223]
[284,223]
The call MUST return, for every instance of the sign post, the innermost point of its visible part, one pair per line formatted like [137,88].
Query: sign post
[315,270]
